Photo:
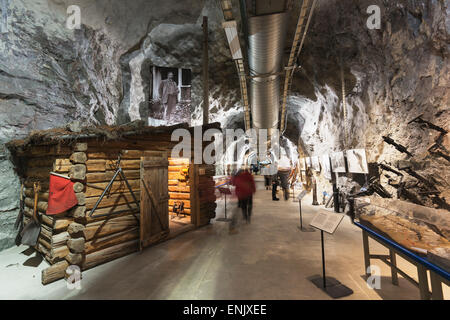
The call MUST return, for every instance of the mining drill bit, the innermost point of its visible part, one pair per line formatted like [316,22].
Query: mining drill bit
[426,182]
[426,123]
[440,154]
[397,146]
[387,168]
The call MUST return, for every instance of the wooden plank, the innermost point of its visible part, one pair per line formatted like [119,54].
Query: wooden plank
[175,176]
[154,215]
[96,189]
[154,239]
[178,162]
[102,228]
[96,165]
[29,192]
[113,212]
[61,169]
[176,168]
[107,175]
[41,206]
[178,188]
[112,200]
[110,253]
[38,172]
[100,153]
[125,164]
[57,224]
[111,240]
[180,196]
[48,150]
[54,272]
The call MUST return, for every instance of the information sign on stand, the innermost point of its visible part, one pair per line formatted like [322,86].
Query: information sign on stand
[328,221]
[300,197]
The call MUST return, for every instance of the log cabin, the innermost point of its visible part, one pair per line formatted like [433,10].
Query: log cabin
[140,208]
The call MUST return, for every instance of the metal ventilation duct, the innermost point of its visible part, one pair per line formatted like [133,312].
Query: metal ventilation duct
[266,45]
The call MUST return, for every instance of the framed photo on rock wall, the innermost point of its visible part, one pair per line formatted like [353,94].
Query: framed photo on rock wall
[338,162]
[170,101]
[326,166]
[357,161]
[315,164]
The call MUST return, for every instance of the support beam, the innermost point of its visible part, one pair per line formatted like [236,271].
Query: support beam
[205,72]
[304,19]
[236,52]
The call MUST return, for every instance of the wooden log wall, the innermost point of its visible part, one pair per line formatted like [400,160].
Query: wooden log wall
[117,234]
[179,186]
[74,166]
[74,238]
[38,163]
[204,197]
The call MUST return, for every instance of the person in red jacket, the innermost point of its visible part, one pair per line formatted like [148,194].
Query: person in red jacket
[244,188]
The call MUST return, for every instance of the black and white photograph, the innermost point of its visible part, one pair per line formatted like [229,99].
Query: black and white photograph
[338,162]
[302,164]
[356,160]
[326,166]
[308,162]
[171,96]
[315,164]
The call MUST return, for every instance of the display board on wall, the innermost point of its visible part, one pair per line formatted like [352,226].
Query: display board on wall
[337,162]
[170,96]
[302,164]
[326,166]
[357,161]
[308,162]
[315,163]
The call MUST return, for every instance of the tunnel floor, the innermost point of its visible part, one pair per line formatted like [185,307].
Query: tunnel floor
[267,259]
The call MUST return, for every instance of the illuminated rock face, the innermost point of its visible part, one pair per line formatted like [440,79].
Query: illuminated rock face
[391,76]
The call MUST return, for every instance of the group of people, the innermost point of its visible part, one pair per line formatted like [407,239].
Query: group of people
[283,176]
[245,188]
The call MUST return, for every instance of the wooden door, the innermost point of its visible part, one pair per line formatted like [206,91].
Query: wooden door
[154,222]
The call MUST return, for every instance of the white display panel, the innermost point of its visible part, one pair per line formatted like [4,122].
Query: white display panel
[337,162]
[357,161]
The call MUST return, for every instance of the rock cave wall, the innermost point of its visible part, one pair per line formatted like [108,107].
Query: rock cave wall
[391,76]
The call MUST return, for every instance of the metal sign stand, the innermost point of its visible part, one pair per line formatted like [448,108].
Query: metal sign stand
[333,287]
[224,191]
[300,227]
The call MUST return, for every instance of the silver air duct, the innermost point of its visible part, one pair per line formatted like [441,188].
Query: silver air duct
[266,45]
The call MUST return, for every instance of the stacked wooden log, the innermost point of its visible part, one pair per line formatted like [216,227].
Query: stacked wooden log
[116,232]
[179,187]
[39,162]
[73,166]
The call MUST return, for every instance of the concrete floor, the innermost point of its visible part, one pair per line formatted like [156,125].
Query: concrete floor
[268,259]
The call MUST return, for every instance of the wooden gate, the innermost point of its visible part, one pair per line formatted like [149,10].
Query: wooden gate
[154,222]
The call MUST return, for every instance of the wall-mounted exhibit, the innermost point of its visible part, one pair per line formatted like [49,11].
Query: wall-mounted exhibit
[338,162]
[356,160]
[171,96]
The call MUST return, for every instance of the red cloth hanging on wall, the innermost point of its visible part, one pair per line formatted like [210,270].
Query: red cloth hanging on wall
[61,196]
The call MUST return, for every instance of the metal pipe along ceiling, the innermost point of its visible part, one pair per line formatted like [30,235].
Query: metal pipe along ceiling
[266,45]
